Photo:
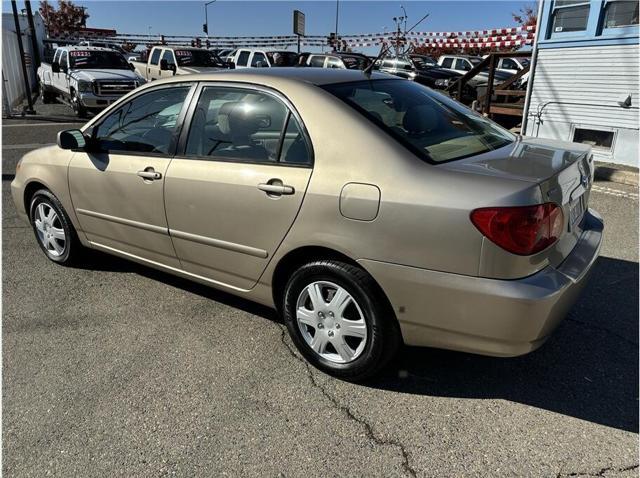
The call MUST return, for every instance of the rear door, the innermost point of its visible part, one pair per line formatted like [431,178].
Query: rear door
[117,187]
[237,184]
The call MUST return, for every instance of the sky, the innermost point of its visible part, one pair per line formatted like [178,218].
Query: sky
[268,17]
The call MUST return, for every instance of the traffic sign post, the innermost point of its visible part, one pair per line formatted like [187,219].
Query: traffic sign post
[298,25]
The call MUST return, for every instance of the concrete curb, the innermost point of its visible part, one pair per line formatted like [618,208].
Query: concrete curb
[617,174]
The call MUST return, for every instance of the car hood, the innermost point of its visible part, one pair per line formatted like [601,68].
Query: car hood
[527,159]
[198,69]
[93,75]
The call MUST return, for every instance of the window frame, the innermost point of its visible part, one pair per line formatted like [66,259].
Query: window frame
[613,31]
[577,33]
[93,127]
[180,152]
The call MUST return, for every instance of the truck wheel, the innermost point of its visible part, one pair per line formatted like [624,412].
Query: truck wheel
[78,108]
[46,96]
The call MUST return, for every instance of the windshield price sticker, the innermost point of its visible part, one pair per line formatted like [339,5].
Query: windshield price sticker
[183,53]
[79,53]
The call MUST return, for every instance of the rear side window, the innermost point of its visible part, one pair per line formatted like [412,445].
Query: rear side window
[430,124]
[294,146]
[238,124]
[462,65]
[447,62]
[155,57]
[168,55]
[146,124]
[243,58]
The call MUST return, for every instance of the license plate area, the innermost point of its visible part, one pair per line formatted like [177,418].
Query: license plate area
[576,211]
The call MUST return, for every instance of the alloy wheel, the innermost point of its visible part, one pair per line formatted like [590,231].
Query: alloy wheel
[49,228]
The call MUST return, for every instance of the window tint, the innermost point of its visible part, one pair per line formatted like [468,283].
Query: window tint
[155,57]
[430,124]
[236,123]
[243,58]
[294,146]
[258,57]
[462,65]
[145,124]
[168,55]
[334,62]
[447,63]
[317,60]
[621,13]
[570,15]
[509,64]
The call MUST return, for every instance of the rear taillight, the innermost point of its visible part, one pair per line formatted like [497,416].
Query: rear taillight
[522,230]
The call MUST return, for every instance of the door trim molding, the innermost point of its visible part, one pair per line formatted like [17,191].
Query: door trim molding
[208,241]
[126,222]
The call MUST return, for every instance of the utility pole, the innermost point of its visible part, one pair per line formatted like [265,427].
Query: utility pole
[205,27]
[34,40]
[27,88]
[337,14]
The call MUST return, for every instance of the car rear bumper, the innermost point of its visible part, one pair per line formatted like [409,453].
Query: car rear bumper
[487,316]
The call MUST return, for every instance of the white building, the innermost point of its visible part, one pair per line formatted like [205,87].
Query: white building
[586,77]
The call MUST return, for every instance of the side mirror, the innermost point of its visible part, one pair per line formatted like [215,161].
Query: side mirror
[71,139]
[55,67]
[164,65]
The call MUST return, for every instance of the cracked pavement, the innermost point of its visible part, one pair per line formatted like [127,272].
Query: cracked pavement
[113,369]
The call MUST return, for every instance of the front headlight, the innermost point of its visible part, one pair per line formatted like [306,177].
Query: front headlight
[140,81]
[442,82]
[85,86]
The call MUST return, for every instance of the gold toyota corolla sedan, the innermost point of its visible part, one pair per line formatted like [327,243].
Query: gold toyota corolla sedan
[369,210]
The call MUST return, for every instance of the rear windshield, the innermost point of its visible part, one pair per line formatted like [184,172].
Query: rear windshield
[97,59]
[430,124]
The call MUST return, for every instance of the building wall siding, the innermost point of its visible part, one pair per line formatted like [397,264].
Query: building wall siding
[582,86]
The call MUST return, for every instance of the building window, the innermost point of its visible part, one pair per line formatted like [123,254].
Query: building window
[620,13]
[570,16]
[597,139]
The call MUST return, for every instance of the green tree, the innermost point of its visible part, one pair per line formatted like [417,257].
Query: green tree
[68,17]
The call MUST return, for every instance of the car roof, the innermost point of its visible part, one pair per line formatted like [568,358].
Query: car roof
[271,76]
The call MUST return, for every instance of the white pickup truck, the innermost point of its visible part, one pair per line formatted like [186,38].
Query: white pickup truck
[88,78]
[166,61]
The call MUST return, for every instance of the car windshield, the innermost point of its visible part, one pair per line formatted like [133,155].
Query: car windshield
[423,62]
[430,124]
[282,58]
[97,59]
[197,58]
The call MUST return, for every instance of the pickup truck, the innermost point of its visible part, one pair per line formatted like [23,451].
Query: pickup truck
[166,61]
[86,77]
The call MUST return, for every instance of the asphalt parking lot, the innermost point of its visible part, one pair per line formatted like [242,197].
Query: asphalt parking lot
[116,369]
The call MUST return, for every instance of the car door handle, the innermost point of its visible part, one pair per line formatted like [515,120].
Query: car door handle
[150,174]
[276,189]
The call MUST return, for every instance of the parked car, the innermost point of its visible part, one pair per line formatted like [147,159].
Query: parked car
[258,58]
[344,61]
[89,78]
[415,68]
[104,44]
[369,210]
[166,61]
[464,63]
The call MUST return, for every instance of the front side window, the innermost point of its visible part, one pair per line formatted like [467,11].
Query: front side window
[431,125]
[243,58]
[235,123]
[334,62]
[259,59]
[570,16]
[620,13]
[282,58]
[198,58]
[317,61]
[463,65]
[145,124]
[155,57]
[509,64]
[168,55]
[64,61]
[447,63]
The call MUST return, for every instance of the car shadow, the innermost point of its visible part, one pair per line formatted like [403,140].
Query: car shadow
[588,369]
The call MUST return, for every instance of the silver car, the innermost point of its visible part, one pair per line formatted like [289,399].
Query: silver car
[369,210]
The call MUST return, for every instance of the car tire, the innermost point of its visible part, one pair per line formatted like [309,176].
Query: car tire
[53,229]
[78,109]
[46,96]
[340,349]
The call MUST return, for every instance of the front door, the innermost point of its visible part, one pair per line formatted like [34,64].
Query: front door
[234,191]
[117,188]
